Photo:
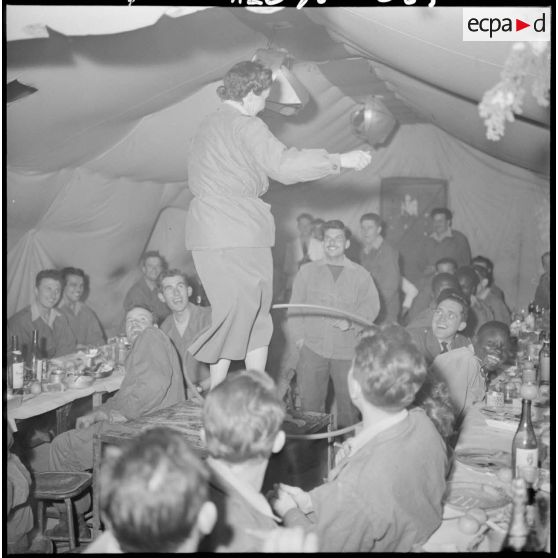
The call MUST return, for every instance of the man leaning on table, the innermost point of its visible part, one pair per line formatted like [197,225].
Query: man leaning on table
[153,381]
[56,338]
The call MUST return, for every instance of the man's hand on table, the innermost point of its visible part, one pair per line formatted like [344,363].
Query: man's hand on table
[285,498]
[88,420]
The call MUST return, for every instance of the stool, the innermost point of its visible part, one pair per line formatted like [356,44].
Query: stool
[56,486]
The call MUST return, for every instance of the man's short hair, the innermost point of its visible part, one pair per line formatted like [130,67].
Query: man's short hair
[152,493]
[337,225]
[389,368]
[492,326]
[447,278]
[483,261]
[442,211]
[446,261]
[483,273]
[318,221]
[67,271]
[467,272]
[174,273]
[48,274]
[304,216]
[242,417]
[456,296]
[372,217]
[153,254]
[143,307]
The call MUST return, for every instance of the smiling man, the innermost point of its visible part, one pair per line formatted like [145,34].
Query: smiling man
[56,338]
[82,319]
[445,242]
[144,292]
[153,381]
[448,319]
[327,343]
[185,323]
[465,369]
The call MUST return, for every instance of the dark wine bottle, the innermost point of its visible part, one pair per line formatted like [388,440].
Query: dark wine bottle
[16,372]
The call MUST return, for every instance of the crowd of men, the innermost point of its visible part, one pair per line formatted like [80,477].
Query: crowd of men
[409,387]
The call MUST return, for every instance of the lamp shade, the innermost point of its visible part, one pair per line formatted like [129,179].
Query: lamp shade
[373,122]
[287,96]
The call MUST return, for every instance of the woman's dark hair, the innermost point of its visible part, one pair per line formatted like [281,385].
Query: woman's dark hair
[243,78]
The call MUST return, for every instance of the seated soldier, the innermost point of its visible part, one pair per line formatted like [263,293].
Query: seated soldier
[154,496]
[440,281]
[56,338]
[242,420]
[499,309]
[145,291]
[465,369]
[449,318]
[83,321]
[153,381]
[542,294]
[185,323]
[386,494]
[483,261]
[424,298]
[479,312]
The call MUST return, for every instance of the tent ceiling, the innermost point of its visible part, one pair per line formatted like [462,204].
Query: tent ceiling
[103,100]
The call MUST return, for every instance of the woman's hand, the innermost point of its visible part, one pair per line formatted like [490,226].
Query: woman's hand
[355,159]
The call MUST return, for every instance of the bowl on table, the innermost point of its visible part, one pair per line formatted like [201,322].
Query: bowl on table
[82,381]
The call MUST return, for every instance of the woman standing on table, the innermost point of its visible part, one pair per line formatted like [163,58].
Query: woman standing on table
[229,229]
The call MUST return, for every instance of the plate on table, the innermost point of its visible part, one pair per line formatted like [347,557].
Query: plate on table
[487,461]
[468,495]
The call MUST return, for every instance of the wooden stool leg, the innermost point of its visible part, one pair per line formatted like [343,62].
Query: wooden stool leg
[41,516]
[71,526]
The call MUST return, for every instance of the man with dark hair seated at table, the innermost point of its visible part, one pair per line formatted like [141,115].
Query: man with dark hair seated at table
[479,311]
[483,261]
[56,338]
[386,494]
[185,323]
[484,293]
[83,321]
[448,319]
[154,496]
[465,369]
[145,291]
[440,281]
[242,419]
[153,381]
[424,298]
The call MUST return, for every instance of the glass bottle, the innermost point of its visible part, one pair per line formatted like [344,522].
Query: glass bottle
[530,318]
[16,372]
[36,358]
[544,363]
[525,448]
[516,538]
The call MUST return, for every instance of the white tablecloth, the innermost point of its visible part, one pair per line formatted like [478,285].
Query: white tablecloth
[33,405]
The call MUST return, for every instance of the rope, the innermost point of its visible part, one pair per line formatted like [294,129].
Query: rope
[328,310]
[322,435]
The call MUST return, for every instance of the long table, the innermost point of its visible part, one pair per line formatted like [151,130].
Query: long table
[60,401]
[476,434]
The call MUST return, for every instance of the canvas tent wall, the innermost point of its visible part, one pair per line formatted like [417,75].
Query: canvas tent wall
[97,158]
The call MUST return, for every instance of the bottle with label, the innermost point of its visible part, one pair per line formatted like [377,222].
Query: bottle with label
[495,395]
[36,358]
[525,448]
[16,369]
[544,363]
